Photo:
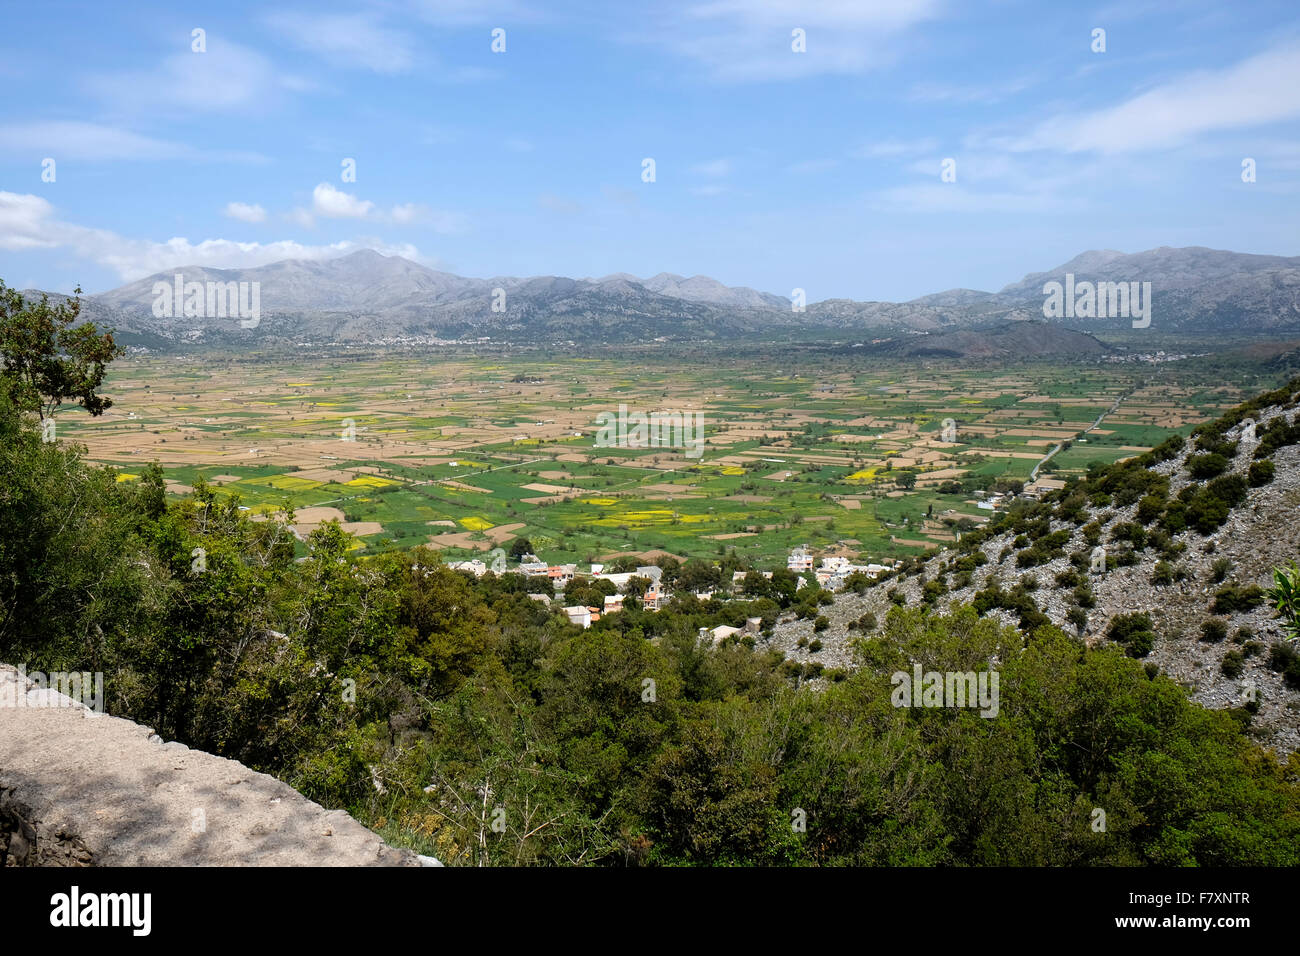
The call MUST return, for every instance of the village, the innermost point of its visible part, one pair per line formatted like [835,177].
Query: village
[831,575]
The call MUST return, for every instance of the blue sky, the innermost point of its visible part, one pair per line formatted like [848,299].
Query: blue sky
[774,169]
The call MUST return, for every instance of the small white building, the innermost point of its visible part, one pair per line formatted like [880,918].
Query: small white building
[800,560]
[719,633]
[579,615]
[651,571]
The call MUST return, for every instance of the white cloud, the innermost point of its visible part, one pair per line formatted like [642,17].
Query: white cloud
[747,40]
[1262,89]
[227,78]
[334,203]
[245,212]
[352,39]
[71,139]
[28,221]
[22,220]
[331,203]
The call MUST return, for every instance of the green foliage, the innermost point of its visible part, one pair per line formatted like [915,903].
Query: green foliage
[1233,664]
[1202,467]
[1261,473]
[1285,595]
[48,359]
[1133,632]
[631,743]
[1284,659]
[1214,630]
[1220,570]
[1233,598]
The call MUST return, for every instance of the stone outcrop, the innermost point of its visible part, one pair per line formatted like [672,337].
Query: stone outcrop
[84,789]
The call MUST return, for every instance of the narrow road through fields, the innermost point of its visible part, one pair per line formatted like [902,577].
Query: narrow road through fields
[1033,475]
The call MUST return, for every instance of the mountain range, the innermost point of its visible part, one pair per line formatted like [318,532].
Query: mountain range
[366,297]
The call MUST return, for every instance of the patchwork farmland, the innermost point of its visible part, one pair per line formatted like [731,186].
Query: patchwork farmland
[465,453]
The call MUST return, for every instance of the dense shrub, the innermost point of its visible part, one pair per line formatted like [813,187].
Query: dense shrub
[1203,467]
[1133,632]
[1234,598]
[1214,630]
[1233,664]
[1261,473]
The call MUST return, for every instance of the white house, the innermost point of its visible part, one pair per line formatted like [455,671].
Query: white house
[719,633]
[651,571]
[579,615]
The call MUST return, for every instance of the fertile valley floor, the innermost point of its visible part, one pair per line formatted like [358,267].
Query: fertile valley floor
[466,452]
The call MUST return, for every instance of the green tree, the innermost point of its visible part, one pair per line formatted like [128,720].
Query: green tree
[49,359]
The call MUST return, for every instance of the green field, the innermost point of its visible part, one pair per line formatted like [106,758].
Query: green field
[465,452]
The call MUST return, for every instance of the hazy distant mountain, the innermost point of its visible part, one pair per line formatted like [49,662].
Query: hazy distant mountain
[1193,289]
[369,297]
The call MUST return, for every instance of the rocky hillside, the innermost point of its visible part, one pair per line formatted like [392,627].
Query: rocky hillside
[1167,554]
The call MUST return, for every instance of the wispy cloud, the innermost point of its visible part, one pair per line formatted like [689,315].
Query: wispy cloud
[347,39]
[752,40]
[226,78]
[71,139]
[1259,90]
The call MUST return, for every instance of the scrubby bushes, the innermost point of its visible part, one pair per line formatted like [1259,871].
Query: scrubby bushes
[1133,632]
[1214,630]
[1234,598]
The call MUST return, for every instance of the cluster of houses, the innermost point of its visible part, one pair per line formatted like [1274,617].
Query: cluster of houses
[1032,490]
[831,575]
[834,569]
[560,575]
